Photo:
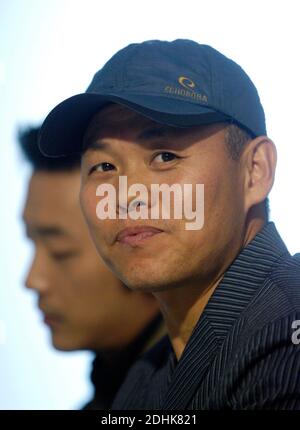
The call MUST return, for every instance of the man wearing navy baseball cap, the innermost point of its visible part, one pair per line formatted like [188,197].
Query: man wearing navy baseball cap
[182,115]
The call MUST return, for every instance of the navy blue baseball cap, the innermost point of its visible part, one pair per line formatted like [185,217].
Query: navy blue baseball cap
[179,83]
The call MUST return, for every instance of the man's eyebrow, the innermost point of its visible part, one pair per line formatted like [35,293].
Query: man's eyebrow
[51,231]
[45,231]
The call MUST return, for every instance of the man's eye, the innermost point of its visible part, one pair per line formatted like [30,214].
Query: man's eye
[102,167]
[164,157]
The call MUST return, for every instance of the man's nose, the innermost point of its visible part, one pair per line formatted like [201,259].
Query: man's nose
[37,278]
[134,193]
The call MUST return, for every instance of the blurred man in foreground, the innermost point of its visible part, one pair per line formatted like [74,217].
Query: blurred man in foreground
[84,305]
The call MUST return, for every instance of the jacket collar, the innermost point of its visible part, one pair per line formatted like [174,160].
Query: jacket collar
[245,275]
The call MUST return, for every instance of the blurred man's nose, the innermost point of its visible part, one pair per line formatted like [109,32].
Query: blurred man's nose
[38,276]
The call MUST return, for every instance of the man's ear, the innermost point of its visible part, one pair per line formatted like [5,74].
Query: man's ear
[259,162]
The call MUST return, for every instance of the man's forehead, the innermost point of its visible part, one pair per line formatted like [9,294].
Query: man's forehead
[114,115]
[114,118]
[52,195]
[43,224]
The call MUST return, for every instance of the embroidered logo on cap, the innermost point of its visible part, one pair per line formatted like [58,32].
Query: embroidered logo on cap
[186,82]
[188,90]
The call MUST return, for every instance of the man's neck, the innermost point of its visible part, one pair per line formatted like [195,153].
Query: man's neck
[183,306]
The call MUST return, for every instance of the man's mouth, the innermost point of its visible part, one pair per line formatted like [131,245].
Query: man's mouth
[51,318]
[135,236]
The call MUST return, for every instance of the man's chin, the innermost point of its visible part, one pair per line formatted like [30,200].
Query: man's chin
[66,344]
[147,284]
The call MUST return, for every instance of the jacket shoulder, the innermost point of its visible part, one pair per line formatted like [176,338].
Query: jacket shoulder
[277,298]
[286,276]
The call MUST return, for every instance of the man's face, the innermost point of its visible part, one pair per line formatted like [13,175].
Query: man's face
[121,142]
[84,304]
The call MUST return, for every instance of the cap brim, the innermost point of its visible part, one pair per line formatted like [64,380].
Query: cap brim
[63,129]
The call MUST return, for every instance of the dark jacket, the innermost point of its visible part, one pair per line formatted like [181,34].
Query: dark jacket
[108,373]
[242,353]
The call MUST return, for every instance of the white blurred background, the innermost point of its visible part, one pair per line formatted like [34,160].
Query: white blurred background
[49,50]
